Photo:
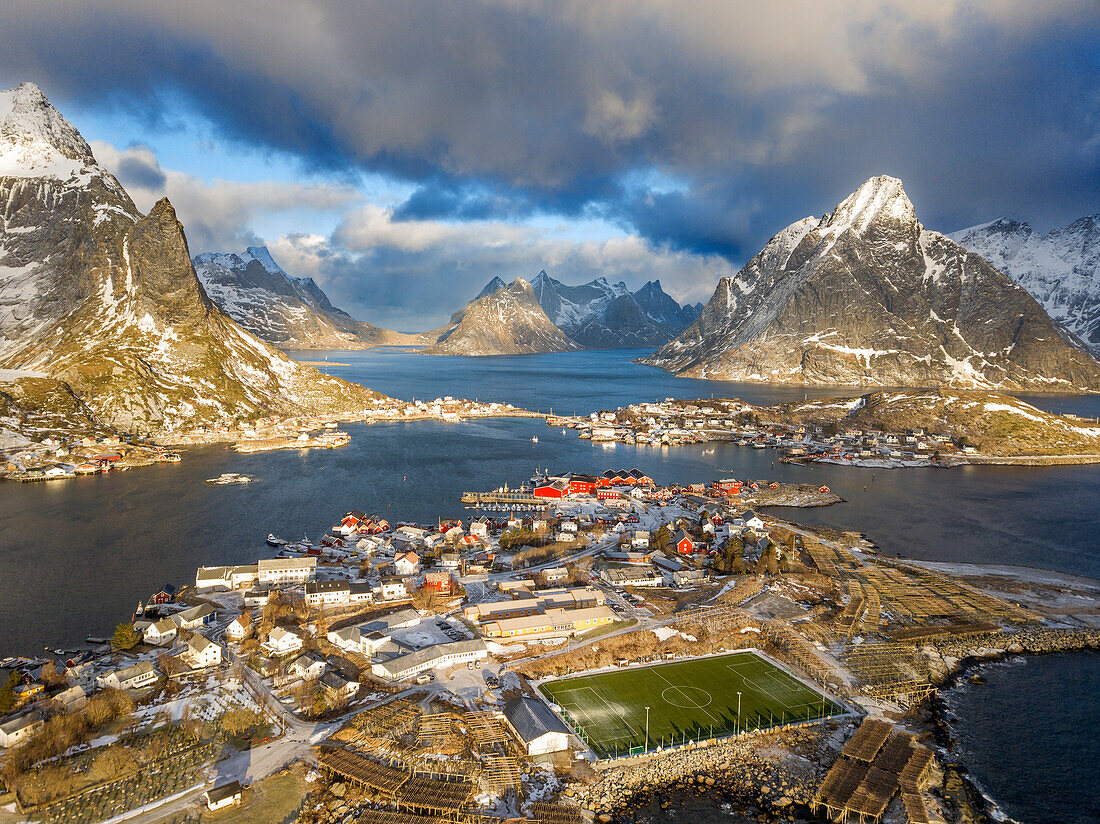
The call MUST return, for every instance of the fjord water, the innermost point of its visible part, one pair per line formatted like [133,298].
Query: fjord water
[77,555]
[1020,733]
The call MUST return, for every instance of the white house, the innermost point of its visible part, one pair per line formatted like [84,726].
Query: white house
[71,699]
[406,563]
[337,686]
[393,588]
[309,666]
[19,729]
[227,795]
[161,633]
[239,628]
[241,577]
[411,534]
[276,572]
[128,678]
[752,520]
[440,655]
[281,642]
[536,728]
[216,577]
[202,652]
[555,575]
[194,617]
[82,675]
[327,593]
[256,597]
[480,528]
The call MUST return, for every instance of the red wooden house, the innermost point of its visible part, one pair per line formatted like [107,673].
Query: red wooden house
[439,581]
[683,543]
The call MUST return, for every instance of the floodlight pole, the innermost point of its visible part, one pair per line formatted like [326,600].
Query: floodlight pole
[647,729]
[738,713]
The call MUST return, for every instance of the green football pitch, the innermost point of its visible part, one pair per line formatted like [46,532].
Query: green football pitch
[687,700]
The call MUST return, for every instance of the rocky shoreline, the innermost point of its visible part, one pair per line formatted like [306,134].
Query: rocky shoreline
[973,806]
[772,773]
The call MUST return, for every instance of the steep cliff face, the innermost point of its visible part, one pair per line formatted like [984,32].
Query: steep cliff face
[1060,269]
[603,315]
[290,312]
[867,295]
[507,321]
[97,295]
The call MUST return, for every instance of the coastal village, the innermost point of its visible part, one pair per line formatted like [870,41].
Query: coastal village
[491,666]
[942,428]
[51,450]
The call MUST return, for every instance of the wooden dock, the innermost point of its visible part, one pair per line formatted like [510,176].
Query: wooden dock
[507,498]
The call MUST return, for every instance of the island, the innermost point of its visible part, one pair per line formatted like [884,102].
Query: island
[904,428]
[566,655]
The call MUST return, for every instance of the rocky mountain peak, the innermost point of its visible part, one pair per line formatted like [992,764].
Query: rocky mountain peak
[35,139]
[490,287]
[263,256]
[879,199]
[867,296]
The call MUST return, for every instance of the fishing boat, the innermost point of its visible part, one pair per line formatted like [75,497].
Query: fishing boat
[273,541]
[534,440]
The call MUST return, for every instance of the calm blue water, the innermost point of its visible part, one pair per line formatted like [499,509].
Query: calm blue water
[1029,736]
[76,556]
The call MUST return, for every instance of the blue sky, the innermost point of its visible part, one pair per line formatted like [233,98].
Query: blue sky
[404,154]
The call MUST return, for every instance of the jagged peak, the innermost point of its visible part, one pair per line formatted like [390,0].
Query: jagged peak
[879,198]
[520,285]
[492,286]
[1002,226]
[35,138]
[264,258]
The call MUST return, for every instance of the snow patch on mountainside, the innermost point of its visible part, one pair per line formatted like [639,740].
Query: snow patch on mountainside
[867,295]
[1060,269]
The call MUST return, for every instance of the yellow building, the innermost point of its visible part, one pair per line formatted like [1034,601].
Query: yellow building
[552,622]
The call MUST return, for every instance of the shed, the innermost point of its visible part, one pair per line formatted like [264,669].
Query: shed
[535,726]
[224,796]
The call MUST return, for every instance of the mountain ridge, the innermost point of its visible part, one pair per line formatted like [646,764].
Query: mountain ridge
[1060,269]
[866,295]
[290,312]
[506,321]
[105,299]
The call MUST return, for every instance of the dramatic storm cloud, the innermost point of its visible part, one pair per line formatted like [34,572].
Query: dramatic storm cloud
[689,132]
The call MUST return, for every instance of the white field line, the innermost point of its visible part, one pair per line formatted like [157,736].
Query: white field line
[678,686]
[594,729]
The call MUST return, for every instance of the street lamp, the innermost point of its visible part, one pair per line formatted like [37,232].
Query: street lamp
[738,713]
[647,729]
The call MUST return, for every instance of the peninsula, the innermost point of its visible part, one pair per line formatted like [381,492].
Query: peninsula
[624,640]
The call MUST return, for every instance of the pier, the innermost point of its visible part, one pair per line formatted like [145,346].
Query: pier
[485,498]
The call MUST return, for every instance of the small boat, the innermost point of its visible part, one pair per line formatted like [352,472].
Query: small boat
[534,440]
[273,541]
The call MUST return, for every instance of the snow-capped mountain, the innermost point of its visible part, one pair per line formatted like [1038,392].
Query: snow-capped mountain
[291,312]
[97,295]
[663,310]
[1060,269]
[867,295]
[506,321]
[602,315]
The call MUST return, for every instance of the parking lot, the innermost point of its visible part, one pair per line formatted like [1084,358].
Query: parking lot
[431,631]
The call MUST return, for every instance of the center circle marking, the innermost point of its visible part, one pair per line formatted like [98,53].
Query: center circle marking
[689,698]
